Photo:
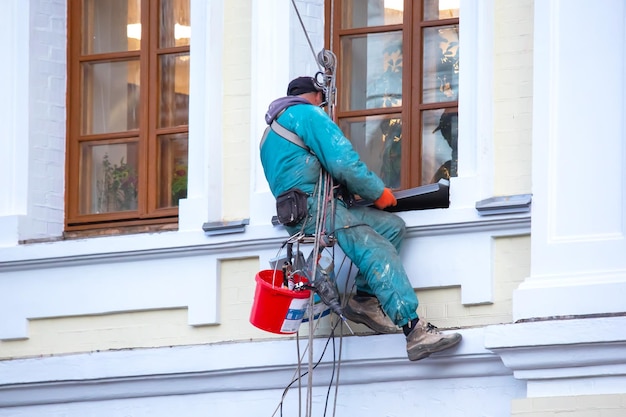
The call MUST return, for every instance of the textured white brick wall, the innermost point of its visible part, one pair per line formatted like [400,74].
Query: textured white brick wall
[48,38]
[312,14]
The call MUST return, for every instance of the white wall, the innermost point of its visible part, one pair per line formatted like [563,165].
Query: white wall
[578,234]
[569,334]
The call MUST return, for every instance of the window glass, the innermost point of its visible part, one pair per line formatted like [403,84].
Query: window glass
[441,64]
[377,139]
[110,97]
[108,177]
[175,28]
[111,26]
[361,13]
[389,106]
[441,9]
[439,145]
[173,169]
[373,74]
[173,90]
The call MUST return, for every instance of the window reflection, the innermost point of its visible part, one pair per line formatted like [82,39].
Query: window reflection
[111,26]
[441,64]
[378,140]
[110,97]
[359,13]
[374,76]
[173,169]
[175,20]
[440,145]
[174,90]
[109,178]
[441,9]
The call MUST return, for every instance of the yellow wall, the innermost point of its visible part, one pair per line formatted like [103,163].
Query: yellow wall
[148,328]
[236,147]
[511,265]
[513,83]
[609,405]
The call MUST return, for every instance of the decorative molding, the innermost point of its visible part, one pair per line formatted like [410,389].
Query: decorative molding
[135,247]
[81,268]
[230,367]
[565,356]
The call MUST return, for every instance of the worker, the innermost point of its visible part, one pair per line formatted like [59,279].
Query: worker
[369,236]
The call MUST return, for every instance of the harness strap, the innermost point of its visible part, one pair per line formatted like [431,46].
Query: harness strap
[284,133]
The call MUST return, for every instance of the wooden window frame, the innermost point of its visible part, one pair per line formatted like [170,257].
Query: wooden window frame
[148,213]
[412,107]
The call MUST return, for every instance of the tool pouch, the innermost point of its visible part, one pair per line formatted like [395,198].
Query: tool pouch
[291,207]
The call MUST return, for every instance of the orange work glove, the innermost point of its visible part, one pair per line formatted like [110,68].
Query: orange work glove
[385,200]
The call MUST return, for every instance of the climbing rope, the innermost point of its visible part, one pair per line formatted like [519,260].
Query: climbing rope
[326,78]
[327,65]
[306,34]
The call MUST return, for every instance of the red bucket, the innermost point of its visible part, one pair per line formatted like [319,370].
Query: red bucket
[277,309]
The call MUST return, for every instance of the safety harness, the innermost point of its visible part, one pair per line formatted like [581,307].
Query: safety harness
[284,133]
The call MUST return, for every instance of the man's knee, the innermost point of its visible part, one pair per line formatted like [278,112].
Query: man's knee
[396,223]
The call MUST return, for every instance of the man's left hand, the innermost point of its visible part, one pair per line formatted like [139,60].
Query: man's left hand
[385,200]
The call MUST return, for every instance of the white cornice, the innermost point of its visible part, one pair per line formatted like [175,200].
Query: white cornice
[230,367]
[171,244]
[564,356]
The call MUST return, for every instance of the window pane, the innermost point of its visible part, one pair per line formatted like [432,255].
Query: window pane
[372,71]
[439,145]
[378,140]
[111,26]
[441,9]
[110,97]
[175,29]
[108,177]
[441,64]
[172,169]
[357,13]
[173,90]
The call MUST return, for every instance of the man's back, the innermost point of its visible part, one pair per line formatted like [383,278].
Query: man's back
[287,165]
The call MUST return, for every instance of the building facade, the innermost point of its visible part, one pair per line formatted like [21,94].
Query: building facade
[156,322]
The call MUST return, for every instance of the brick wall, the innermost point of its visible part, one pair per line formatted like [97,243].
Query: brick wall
[303,60]
[46,128]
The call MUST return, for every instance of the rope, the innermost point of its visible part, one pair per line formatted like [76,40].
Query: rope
[306,34]
[327,64]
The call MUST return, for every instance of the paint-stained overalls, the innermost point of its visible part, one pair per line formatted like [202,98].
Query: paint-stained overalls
[371,238]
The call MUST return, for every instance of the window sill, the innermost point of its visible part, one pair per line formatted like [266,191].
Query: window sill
[120,230]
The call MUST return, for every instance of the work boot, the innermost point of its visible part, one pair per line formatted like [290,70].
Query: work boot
[368,311]
[425,339]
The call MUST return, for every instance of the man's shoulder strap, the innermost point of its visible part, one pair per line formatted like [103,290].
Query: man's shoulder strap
[285,134]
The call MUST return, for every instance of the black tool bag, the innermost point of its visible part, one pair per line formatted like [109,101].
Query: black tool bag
[291,207]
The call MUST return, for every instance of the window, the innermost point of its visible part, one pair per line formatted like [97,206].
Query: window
[128,114]
[397,85]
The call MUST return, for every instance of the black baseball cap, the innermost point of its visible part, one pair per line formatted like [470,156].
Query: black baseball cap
[302,85]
